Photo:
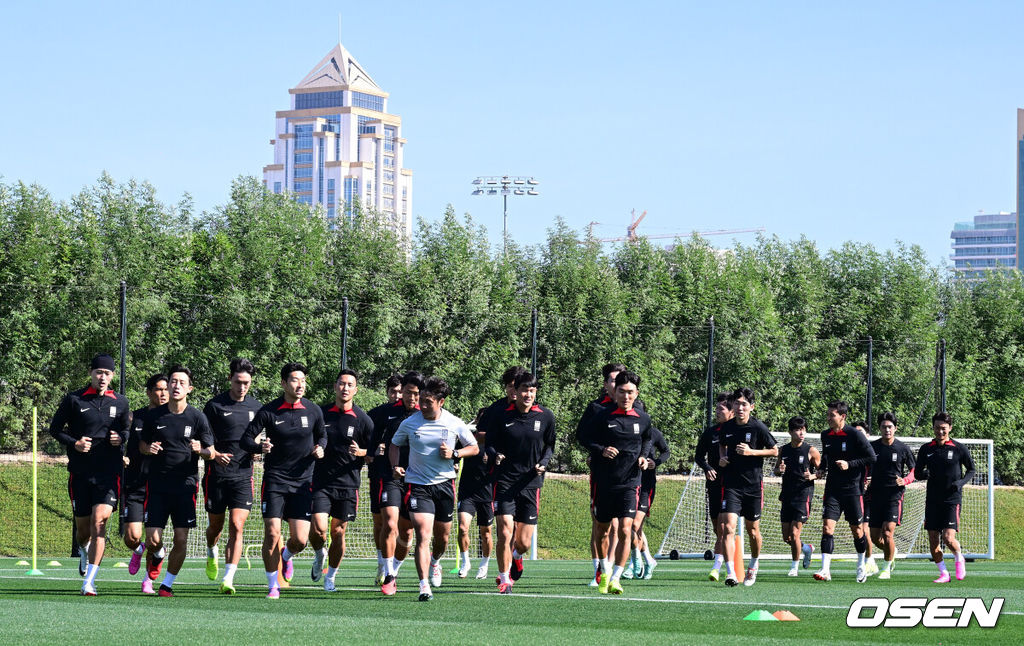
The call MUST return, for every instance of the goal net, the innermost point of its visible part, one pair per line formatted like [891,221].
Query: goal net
[690,533]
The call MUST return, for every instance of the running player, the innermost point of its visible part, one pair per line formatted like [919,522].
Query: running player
[336,477]
[869,560]
[92,424]
[707,456]
[621,440]
[890,474]
[379,415]
[135,487]
[745,442]
[476,496]
[845,453]
[174,435]
[430,435]
[228,481]
[521,448]
[642,560]
[947,465]
[396,526]
[798,463]
[295,437]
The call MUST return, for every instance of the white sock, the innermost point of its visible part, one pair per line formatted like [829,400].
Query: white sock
[648,556]
[90,573]
[871,559]
[229,572]
[617,573]
[753,562]
[161,553]
[958,557]
[85,548]
[485,561]
[597,565]
[503,576]
[331,572]
[389,566]
[719,559]
[211,552]
[795,564]
[826,561]
[323,552]
[141,548]
[286,554]
[433,561]
[169,579]
[860,559]
[730,571]
[424,585]
[516,555]
[398,566]
[272,579]
[942,567]
[888,565]
[606,566]
[464,558]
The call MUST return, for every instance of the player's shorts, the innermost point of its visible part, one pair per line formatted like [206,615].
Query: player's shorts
[436,499]
[850,505]
[176,503]
[646,499]
[522,503]
[86,492]
[796,508]
[222,495]
[387,493]
[745,501]
[615,503]
[480,504]
[340,503]
[714,493]
[942,515]
[288,501]
[885,507]
[133,507]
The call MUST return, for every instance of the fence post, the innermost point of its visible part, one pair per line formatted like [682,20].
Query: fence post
[533,349]
[709,393]
[124,335]
[942,375]
[871,382]
[344,333]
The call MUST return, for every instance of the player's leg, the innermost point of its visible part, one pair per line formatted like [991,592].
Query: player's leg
[175,559]
[602,526]
[271,550]
[442,534]
[423,526]
[752,523]
[717,519]
[635,563]
[622,549]
[854,512]
[504,523]
[465,519]
[233,552]
[154,545]
[484,519]
[318,527]
[950,539]
[216,508]
[339,527]
[831,510]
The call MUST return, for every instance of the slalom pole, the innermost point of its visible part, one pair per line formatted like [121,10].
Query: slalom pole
[35,495]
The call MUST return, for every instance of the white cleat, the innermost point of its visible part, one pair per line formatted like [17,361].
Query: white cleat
[793,572]
[823,575]
[317,570]
[872,567]
[329,585]
[481,572]
[464,571]
[435,575]
[750,578]
[862,574]
[88,590]
[885,574]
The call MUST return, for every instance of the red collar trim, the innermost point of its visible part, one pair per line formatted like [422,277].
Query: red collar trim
[605,400]
[628,413]
[335,409]
[92,391]
[946,443]
[839,433]
[533,409]
[397,403]
[296,406]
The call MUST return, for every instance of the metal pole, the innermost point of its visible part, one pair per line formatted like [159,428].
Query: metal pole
[504,226]
[871,382]
[709,393]
[344,333]
[942,375]
[533,352]
[124,334]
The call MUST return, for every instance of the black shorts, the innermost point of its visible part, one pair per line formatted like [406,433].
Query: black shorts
[850,505]
[521,503]
[480,504]
[796,508]
[86,492]
[747,501]
[342,504]
[942,515]
[885,507]
[176,503]
[646,500]
[714,493]
[287,501]
[222,495]
[436,499]
[133,508]
[386,493]
[615,503]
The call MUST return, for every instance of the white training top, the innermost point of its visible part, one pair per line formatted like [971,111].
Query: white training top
[424,438]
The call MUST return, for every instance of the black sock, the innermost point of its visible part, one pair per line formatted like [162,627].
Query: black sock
[828,543]
[861,544]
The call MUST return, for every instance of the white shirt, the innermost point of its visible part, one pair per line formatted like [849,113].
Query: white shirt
[424,438]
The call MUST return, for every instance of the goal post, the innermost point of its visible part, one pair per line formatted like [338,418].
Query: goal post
[690,533]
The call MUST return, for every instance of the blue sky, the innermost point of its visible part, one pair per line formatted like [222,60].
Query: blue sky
[872,122]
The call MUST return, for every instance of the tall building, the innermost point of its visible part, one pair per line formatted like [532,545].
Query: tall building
[338,145]
[1020,185]
[987,243]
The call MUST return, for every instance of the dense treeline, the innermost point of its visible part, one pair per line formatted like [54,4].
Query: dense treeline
[262,279]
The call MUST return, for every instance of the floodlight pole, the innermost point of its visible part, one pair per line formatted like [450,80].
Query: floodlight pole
[490,185]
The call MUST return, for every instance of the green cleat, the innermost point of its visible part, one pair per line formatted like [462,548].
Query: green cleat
[211,568]
[713,575]
[602,585]
[227,588]
[614,586]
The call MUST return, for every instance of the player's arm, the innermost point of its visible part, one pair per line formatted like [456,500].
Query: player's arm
[149,444]
[399,439]
[659,447]
[593,435]
[58,424]
[921,468]
[968,463]
[814,455]
[766,440]
[469,444]
[248,441]
[701,452]
[549,443]
[867,453]
[907,460]
[122,426]
[319,433]
[205,439]
[583,426]
[495,442]
[645,445]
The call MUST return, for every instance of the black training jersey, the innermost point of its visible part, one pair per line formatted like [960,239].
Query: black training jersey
[798,462]
[175,465]
[228,420]
[744,470]
[293,431]
[630,433]
[135,472]
[526,440]
[339,469]
[657,454]
[596,407]
[707,454]
[893,461]
[940,465]
[85,413]
[383,433]
[847,444]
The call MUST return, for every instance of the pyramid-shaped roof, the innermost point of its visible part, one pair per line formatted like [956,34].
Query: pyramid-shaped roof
[338,68]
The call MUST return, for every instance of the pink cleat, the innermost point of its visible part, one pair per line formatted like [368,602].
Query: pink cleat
[289,570]
[147,586]
[961,570]
[943,578]
[135,563]
[274,593]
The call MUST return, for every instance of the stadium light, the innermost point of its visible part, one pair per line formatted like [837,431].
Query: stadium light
[510,185]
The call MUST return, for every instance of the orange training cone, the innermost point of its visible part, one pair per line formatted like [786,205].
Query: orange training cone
[785,615]
[737,557]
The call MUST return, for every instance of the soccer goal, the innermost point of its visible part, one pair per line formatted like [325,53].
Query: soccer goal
[690,533]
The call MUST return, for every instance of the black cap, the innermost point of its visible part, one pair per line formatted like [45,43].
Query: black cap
[102,362]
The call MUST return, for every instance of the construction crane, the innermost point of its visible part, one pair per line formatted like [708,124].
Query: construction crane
[631,234]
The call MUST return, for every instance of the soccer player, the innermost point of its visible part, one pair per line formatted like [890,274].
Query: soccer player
[336,477]
[135,474]
[379,415]
[476,496]
[845,452]
[892,472]
[430,435]
[295,438]
[947,465]
[642,560]
[706,457]
[798,463]
[869,560]
[521,448]
[396,527]
[174,435]
[228,481]
[621,440]
[92,424]
[745,442]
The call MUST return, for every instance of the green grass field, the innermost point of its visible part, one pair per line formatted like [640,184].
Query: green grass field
[551,605]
